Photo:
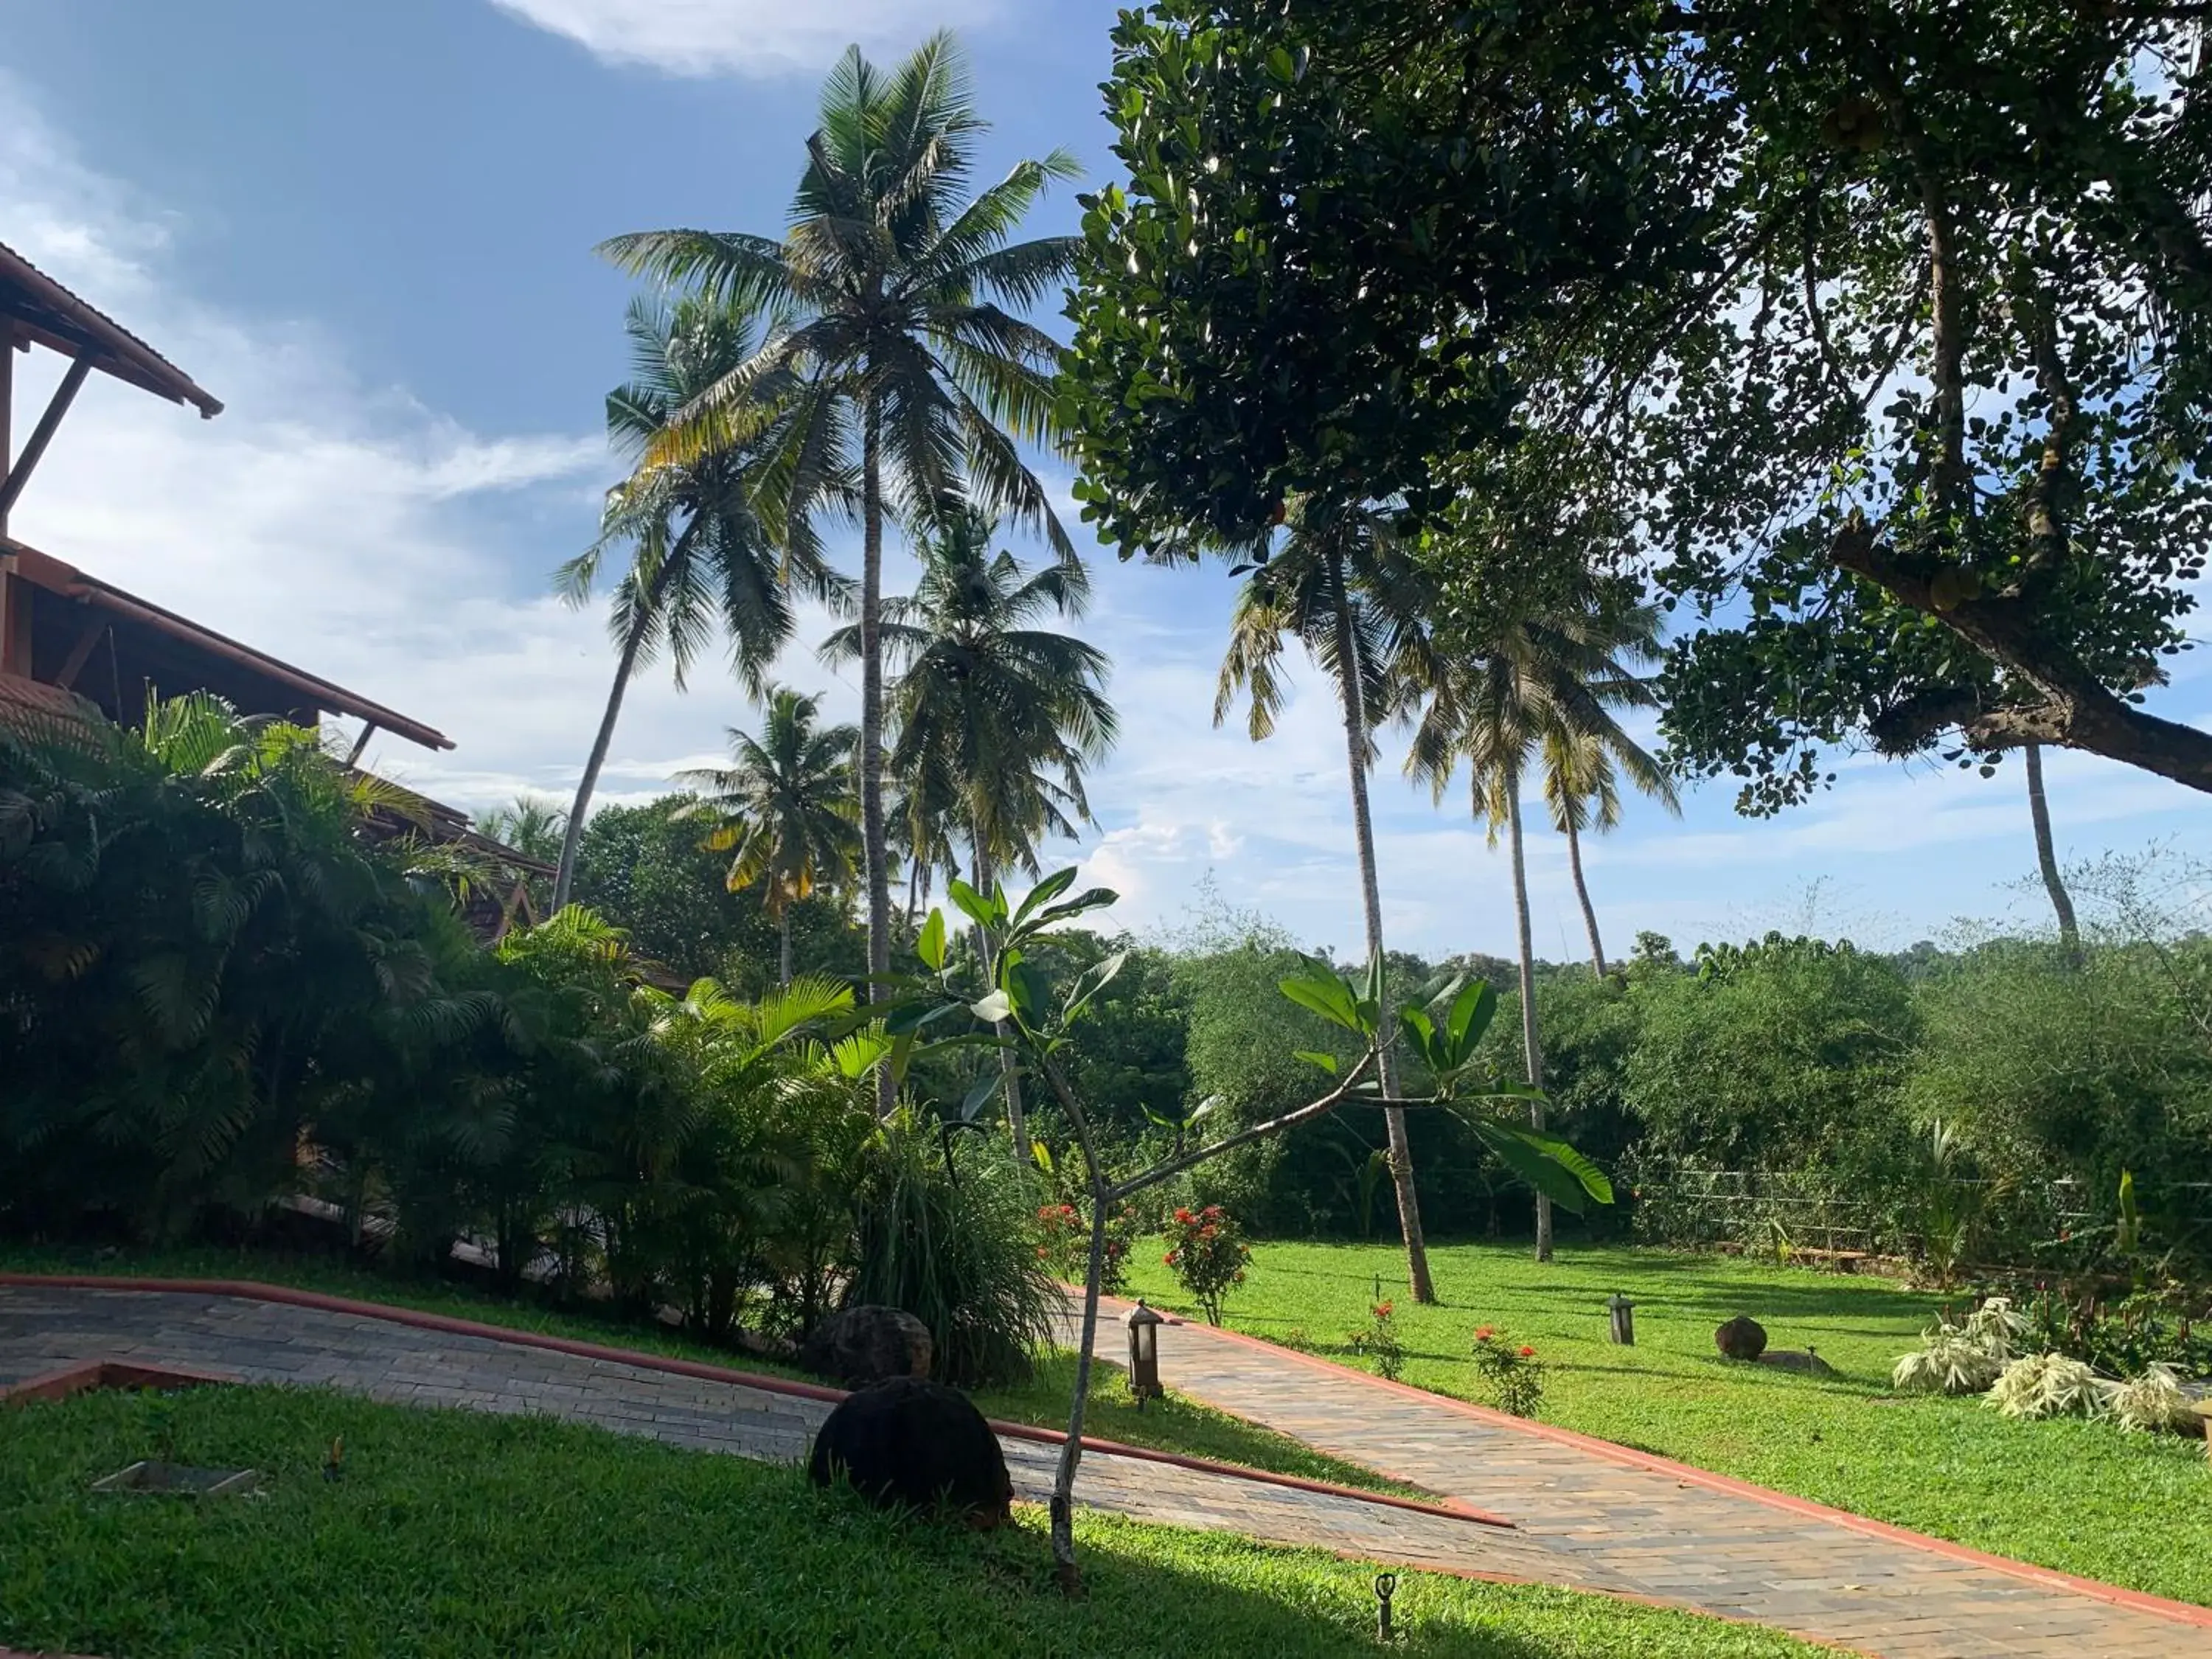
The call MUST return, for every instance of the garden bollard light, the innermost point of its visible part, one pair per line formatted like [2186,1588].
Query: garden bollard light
[1143,1352]
[1386,1586]
[1623,1319]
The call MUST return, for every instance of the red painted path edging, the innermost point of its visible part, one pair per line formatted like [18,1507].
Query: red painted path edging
[285,1295]
[2186,1613]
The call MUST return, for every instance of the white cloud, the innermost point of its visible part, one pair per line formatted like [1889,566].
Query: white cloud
[744,37]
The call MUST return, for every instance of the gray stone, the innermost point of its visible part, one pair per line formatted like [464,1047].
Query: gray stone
[866,1345]
[1791,1359]
[1740,1338]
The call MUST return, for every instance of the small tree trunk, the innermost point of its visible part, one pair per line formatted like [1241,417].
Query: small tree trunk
[1531,1052]
[875,844]
[1070,1450]
[1363,831]
[1582,892]
[1018,1123]
[783,930]
[2046,855]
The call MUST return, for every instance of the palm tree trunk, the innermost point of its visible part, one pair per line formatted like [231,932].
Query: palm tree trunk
[1582,892]
[1532,1052]
[571,838]
[2039,811]
[783,931]
[1018,1123]
[1363,831]
[877,852]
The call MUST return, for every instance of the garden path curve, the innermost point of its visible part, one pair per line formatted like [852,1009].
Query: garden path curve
[1636,1524]
[1586,1515]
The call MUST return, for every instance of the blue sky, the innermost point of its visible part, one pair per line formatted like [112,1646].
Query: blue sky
[367,228]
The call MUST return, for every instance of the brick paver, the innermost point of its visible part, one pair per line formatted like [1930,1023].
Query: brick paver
[1648,1530]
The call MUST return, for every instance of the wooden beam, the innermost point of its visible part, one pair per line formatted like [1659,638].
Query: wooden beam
[81,653]
[42,434]
[7,337]
[367,731]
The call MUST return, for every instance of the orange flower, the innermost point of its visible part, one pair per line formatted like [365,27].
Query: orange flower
[1382,1310]
[1528,1352]
[1484,1333]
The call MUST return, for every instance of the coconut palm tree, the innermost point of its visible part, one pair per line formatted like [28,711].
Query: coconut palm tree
[996,719]
[531,824]
[1544,667]
[1342,587]
[1582,787]
[785,811]
[706,548]
[903,295]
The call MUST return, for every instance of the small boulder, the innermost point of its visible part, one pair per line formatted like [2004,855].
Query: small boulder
[1740,1338]
[912,1444]
[867,1345]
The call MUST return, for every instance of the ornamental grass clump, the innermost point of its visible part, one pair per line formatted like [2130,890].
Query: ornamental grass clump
[1208,1254]
[2050,1385]
[2153,1403]
[1954,1359]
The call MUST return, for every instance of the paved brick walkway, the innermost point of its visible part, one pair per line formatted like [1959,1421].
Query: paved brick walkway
[43,1329]
[1587,1516]
[1616,1520]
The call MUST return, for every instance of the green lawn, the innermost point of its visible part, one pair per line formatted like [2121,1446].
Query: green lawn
[458,1534]
[2086,1497]
[1176,1424]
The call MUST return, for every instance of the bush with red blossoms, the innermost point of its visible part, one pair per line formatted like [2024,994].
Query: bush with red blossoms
[1207,1249]
[1514,1374]
[1378,1340]
[1064,1235]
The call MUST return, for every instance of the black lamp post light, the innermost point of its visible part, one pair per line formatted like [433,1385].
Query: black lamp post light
[1143,1352]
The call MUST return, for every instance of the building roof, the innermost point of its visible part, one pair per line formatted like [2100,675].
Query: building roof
[44,570]
[42,310]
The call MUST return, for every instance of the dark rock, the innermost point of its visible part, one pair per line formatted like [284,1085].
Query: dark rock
[913,1443]
[866,1345]
[1740,1338]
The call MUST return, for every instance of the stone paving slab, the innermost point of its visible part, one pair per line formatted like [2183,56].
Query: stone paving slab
[45,1328]
[1671,1535]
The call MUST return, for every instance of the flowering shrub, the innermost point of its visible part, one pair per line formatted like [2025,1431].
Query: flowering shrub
[1514,1374]
[1064,1243]
[1378,1340]
[1208,1254]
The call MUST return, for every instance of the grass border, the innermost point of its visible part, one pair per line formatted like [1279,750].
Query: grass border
[2185,1613]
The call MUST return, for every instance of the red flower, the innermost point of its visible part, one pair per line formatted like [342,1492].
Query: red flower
[1183,1216]
[1212,1212]
[1484,1333]
[1528,1352]
[1382,1310]
[1169,1258]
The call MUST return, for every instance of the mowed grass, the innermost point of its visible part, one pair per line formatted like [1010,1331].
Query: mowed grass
[456,1533]
[1176,1423]
[2084,1498]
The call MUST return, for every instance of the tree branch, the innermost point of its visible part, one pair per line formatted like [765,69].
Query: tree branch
[1290,1120]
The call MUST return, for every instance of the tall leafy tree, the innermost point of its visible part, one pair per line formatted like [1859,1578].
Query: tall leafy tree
[785,811]
[707,548]
[1341,585]
[996,717]
[904,294]
[1581,788]
[1543,669]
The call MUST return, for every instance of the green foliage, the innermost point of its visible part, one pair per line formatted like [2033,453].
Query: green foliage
[1510,1370]
[952,1241]
[1206,1252]
[1376,1342]
[645,869]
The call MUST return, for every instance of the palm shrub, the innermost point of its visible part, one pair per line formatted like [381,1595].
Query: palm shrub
[2050,1385]
[1963,1358]
[2153,1403]
[952,1242]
